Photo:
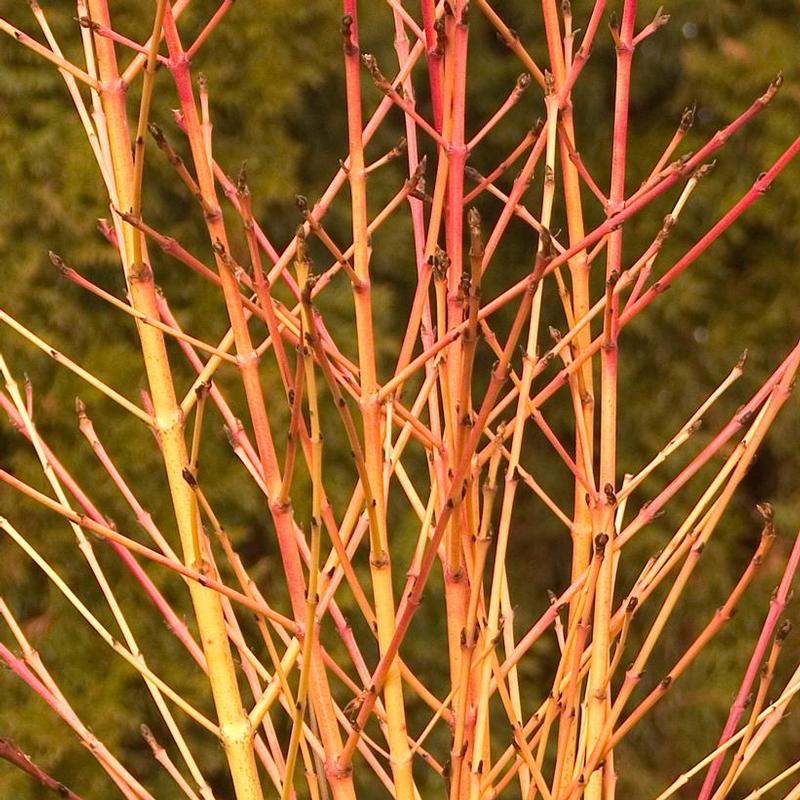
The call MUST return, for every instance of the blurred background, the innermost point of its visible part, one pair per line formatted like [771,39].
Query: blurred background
[274,72]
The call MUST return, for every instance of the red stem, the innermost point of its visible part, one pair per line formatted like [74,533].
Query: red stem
[776,607]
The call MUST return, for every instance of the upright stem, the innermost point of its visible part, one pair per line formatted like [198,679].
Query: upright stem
[235,730]
[598,701]
[371,410]
[579,272]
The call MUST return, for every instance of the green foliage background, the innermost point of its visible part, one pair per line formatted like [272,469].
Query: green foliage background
[275,74]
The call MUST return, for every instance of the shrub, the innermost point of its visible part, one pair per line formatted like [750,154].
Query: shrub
[393,423]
